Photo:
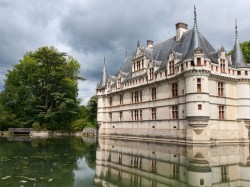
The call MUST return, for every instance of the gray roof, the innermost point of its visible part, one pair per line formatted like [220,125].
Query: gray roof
[184,49]
[238,59]
[104,79]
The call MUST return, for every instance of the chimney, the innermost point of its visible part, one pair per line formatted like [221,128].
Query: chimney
[150,43]
[180,29]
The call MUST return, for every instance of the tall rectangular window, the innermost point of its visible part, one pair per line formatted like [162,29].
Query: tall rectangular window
[132,115]
[198,61]
[136,97]
[198,84]
[140,114]
[110,116]
[136,115]
[174,89]
[221,112]
[132,97]
[171,67]
[153,94]
[175,112]
[222,66]
[120,116]
[151,73]
[220,89]
[119,83]
[153,113]
[121,99]
[140,96]
[110,101]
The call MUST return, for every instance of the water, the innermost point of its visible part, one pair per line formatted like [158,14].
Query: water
[46,162]
[122,163]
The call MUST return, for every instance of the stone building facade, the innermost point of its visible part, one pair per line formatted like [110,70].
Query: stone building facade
[179,90]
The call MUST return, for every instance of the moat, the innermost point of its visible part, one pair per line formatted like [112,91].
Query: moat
[107,162]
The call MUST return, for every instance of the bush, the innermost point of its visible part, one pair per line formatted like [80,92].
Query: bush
[78,125]
[36,126]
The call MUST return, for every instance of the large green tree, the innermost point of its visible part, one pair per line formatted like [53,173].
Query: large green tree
[245,47]
[43,88]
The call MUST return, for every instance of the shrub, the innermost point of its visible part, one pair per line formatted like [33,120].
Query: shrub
[36,126]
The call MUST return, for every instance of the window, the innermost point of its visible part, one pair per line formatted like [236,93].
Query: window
[136,95]
[153,113]
[138,65]
[171,67]
[238,72]
[175,171]
[151,73]
[136,115]
[199,107]
[205,63]
[202,182]
[120,116]
[140,114]
[174,89]
[119,83]
[175,112]
[246,73]
[198,84]
[110,101]
[182,68]
[222,66]
[153,166]
[198,61]
[224,177]
[212,68]
[132,115]
[192,63]
[217,69]
[220,88]
[221,112]
[110,116]
[153,92]
[121,99]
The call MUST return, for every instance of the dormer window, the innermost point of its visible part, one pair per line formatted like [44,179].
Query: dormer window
[119,83]
[171,67]
[198,61]
[222,66]
[151,73]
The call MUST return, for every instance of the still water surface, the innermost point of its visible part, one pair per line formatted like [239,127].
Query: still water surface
[122,163]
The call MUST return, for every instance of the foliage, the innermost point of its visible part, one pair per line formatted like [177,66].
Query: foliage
[42,88]
[36,126]
[245,47]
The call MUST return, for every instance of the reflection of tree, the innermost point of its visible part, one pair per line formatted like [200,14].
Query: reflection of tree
[43,159]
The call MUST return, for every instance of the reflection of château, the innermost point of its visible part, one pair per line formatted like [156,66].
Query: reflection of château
[127,163]
[181,89]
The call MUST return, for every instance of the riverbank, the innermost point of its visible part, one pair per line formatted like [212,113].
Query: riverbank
[88,132]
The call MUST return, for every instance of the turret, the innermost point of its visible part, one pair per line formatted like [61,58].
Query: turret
[238,59]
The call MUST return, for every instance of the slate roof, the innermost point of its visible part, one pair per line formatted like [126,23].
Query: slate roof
[184,48]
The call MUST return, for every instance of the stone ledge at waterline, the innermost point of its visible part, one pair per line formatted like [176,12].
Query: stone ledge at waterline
[87,132]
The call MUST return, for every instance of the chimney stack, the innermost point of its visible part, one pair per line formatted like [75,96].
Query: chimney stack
[180,29]
[150,43]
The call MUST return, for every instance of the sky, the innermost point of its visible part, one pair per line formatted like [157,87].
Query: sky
[88,30]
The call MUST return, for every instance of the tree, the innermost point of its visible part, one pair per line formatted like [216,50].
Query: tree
[43,88]
[92,109]
[245,47]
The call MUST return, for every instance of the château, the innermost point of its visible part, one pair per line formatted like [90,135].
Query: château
[180,90]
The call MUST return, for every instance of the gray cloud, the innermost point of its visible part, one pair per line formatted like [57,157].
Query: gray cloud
[91,29]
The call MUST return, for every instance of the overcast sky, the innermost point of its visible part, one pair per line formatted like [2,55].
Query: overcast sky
[91,29]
